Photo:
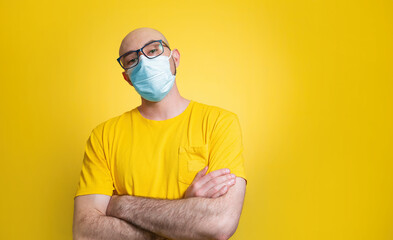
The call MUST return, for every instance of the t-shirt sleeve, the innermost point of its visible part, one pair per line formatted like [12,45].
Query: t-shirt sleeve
[95,176]
[226,145]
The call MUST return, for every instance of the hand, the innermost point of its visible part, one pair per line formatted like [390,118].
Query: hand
[212,185]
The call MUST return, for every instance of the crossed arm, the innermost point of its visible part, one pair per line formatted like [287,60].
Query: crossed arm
[91,223]
[130,217]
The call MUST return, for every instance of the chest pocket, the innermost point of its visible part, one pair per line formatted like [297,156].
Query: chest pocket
[192,159]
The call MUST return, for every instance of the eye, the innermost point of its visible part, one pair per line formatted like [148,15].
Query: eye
[132,61]
[153,51]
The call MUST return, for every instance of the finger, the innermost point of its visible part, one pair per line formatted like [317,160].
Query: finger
[216,183]
[201,173]
[212,175]
[221,192]
[217,187]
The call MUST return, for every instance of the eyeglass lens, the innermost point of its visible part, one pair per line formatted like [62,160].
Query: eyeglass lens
[151,50]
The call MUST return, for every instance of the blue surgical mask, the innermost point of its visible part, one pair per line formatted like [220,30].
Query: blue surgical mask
[152,78]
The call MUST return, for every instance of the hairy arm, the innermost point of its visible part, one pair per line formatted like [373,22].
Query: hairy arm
[90,221]
[191,218]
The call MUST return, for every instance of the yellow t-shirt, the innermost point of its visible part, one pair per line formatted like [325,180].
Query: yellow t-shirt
[159,159]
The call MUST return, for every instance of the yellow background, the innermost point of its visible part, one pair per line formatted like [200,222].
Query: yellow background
[311,82]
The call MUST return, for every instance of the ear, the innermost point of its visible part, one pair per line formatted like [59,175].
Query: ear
[176,57]
[125,76]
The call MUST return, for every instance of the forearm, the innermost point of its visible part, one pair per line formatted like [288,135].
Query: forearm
[191,218]
[101,227]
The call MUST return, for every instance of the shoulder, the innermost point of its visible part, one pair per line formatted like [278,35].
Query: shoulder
[214,113]
[112,124]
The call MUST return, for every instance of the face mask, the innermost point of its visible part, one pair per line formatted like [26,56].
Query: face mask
[152,78]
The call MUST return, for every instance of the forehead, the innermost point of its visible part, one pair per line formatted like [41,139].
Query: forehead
[136,40]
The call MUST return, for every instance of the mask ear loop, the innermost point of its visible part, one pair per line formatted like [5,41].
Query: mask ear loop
[174,65]
[173,62]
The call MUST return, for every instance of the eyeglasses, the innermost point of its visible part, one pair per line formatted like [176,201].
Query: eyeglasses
[150,50]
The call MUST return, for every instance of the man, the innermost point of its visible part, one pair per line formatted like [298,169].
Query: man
[170,168]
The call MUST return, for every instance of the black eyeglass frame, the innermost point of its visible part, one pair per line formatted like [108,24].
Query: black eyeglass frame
[164,44]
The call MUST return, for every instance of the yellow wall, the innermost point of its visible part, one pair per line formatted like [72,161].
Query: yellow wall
[311,82]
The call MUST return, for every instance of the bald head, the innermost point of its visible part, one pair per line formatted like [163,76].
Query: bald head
[138,38]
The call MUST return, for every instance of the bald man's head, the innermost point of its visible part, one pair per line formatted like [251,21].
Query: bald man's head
[138,38]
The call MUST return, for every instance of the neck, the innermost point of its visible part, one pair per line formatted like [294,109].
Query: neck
[172,105]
